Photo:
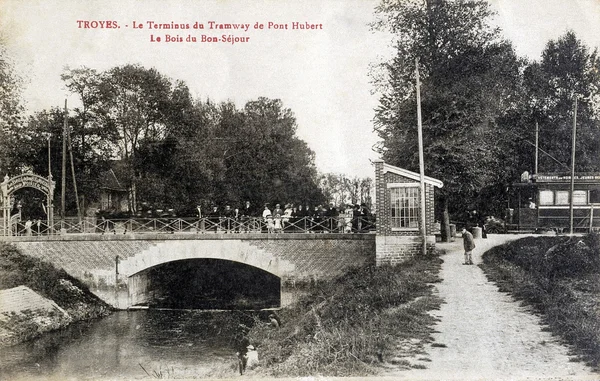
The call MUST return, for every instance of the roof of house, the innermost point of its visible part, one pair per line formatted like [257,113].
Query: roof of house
[411,175]
[108,180]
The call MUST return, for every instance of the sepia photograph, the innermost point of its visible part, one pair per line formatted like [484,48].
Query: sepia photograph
[300,189]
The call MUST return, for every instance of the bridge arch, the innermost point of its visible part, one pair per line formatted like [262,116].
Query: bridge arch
[204,284]
[25,180]
[229,250]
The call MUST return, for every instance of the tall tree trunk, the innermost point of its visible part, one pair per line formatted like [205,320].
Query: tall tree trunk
[446,219]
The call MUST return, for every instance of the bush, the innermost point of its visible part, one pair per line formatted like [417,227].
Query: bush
[345,326]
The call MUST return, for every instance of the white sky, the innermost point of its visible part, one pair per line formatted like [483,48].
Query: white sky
[322,75]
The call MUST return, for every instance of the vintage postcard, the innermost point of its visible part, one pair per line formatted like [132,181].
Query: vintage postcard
[309,189]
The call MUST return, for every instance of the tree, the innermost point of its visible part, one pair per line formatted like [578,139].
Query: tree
[339,189]
[266,161]
[11,110]
[122,107]
[220,154]
[567,70]
[183,152]
[470,79]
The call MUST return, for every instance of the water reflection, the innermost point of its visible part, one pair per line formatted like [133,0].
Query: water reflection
[134,345]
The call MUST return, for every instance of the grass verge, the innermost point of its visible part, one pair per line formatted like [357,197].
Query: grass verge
[560,278]
[350,325]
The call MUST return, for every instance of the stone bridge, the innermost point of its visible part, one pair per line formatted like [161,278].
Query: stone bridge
[122,268]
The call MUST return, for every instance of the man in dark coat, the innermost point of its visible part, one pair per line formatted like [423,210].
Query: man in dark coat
[247,214]
[469,245]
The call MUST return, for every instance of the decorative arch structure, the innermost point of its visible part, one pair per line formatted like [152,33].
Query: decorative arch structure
[25,180]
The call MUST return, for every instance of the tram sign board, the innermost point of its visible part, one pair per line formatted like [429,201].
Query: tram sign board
[549,178]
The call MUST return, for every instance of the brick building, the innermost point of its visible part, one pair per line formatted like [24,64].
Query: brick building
[398,213]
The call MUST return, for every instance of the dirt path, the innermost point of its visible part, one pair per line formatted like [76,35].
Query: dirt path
[487,334]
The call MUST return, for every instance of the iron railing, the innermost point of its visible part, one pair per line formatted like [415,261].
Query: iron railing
[206,225]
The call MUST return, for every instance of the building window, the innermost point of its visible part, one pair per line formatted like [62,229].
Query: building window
[546,197]
[594,196]
[579,197]
[562,197]
[404,208]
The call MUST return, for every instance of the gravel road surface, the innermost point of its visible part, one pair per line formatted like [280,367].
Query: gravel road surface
[485,334]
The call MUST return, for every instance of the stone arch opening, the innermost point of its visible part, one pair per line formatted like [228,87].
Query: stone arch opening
[204,283]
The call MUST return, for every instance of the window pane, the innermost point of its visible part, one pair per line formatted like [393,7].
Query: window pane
[562,197]
[579,197]
[594,196]
[405,209]
[546,197]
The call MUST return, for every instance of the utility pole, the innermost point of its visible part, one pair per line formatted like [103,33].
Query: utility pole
[74,179]
[537,135]
[573,165]
[64,166]
[421,161]
[49,198]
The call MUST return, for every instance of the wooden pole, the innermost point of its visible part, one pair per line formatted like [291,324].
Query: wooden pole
[421,161]
[49,198]
[64,166]
[49,158]
[537,133]
[573,166]
[73,174]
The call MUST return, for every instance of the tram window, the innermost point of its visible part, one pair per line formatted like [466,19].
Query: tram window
[594,196]
[562,197]
[546,197]
[579,197]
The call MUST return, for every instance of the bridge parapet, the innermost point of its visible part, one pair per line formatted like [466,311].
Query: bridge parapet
[290,225]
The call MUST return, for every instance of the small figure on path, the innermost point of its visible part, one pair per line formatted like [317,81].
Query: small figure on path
[469,245]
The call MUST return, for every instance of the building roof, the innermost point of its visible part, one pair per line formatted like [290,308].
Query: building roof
[411,175]
[108,180]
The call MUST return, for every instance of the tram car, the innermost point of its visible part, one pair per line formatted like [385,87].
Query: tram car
[542,202]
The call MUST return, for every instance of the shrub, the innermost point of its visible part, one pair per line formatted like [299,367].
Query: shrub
[345,326]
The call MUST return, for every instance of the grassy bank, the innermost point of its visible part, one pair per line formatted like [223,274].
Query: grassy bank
[17,269]
[560,278]
[351,325]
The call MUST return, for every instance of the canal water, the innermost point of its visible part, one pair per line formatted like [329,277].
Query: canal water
[143,344]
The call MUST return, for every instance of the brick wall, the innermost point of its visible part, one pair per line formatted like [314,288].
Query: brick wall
[383,202]
[394,249]
[397,246]
[321,256]
[24,314]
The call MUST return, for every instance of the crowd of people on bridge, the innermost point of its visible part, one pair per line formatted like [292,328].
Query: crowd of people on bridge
[248,218]
[288,217]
